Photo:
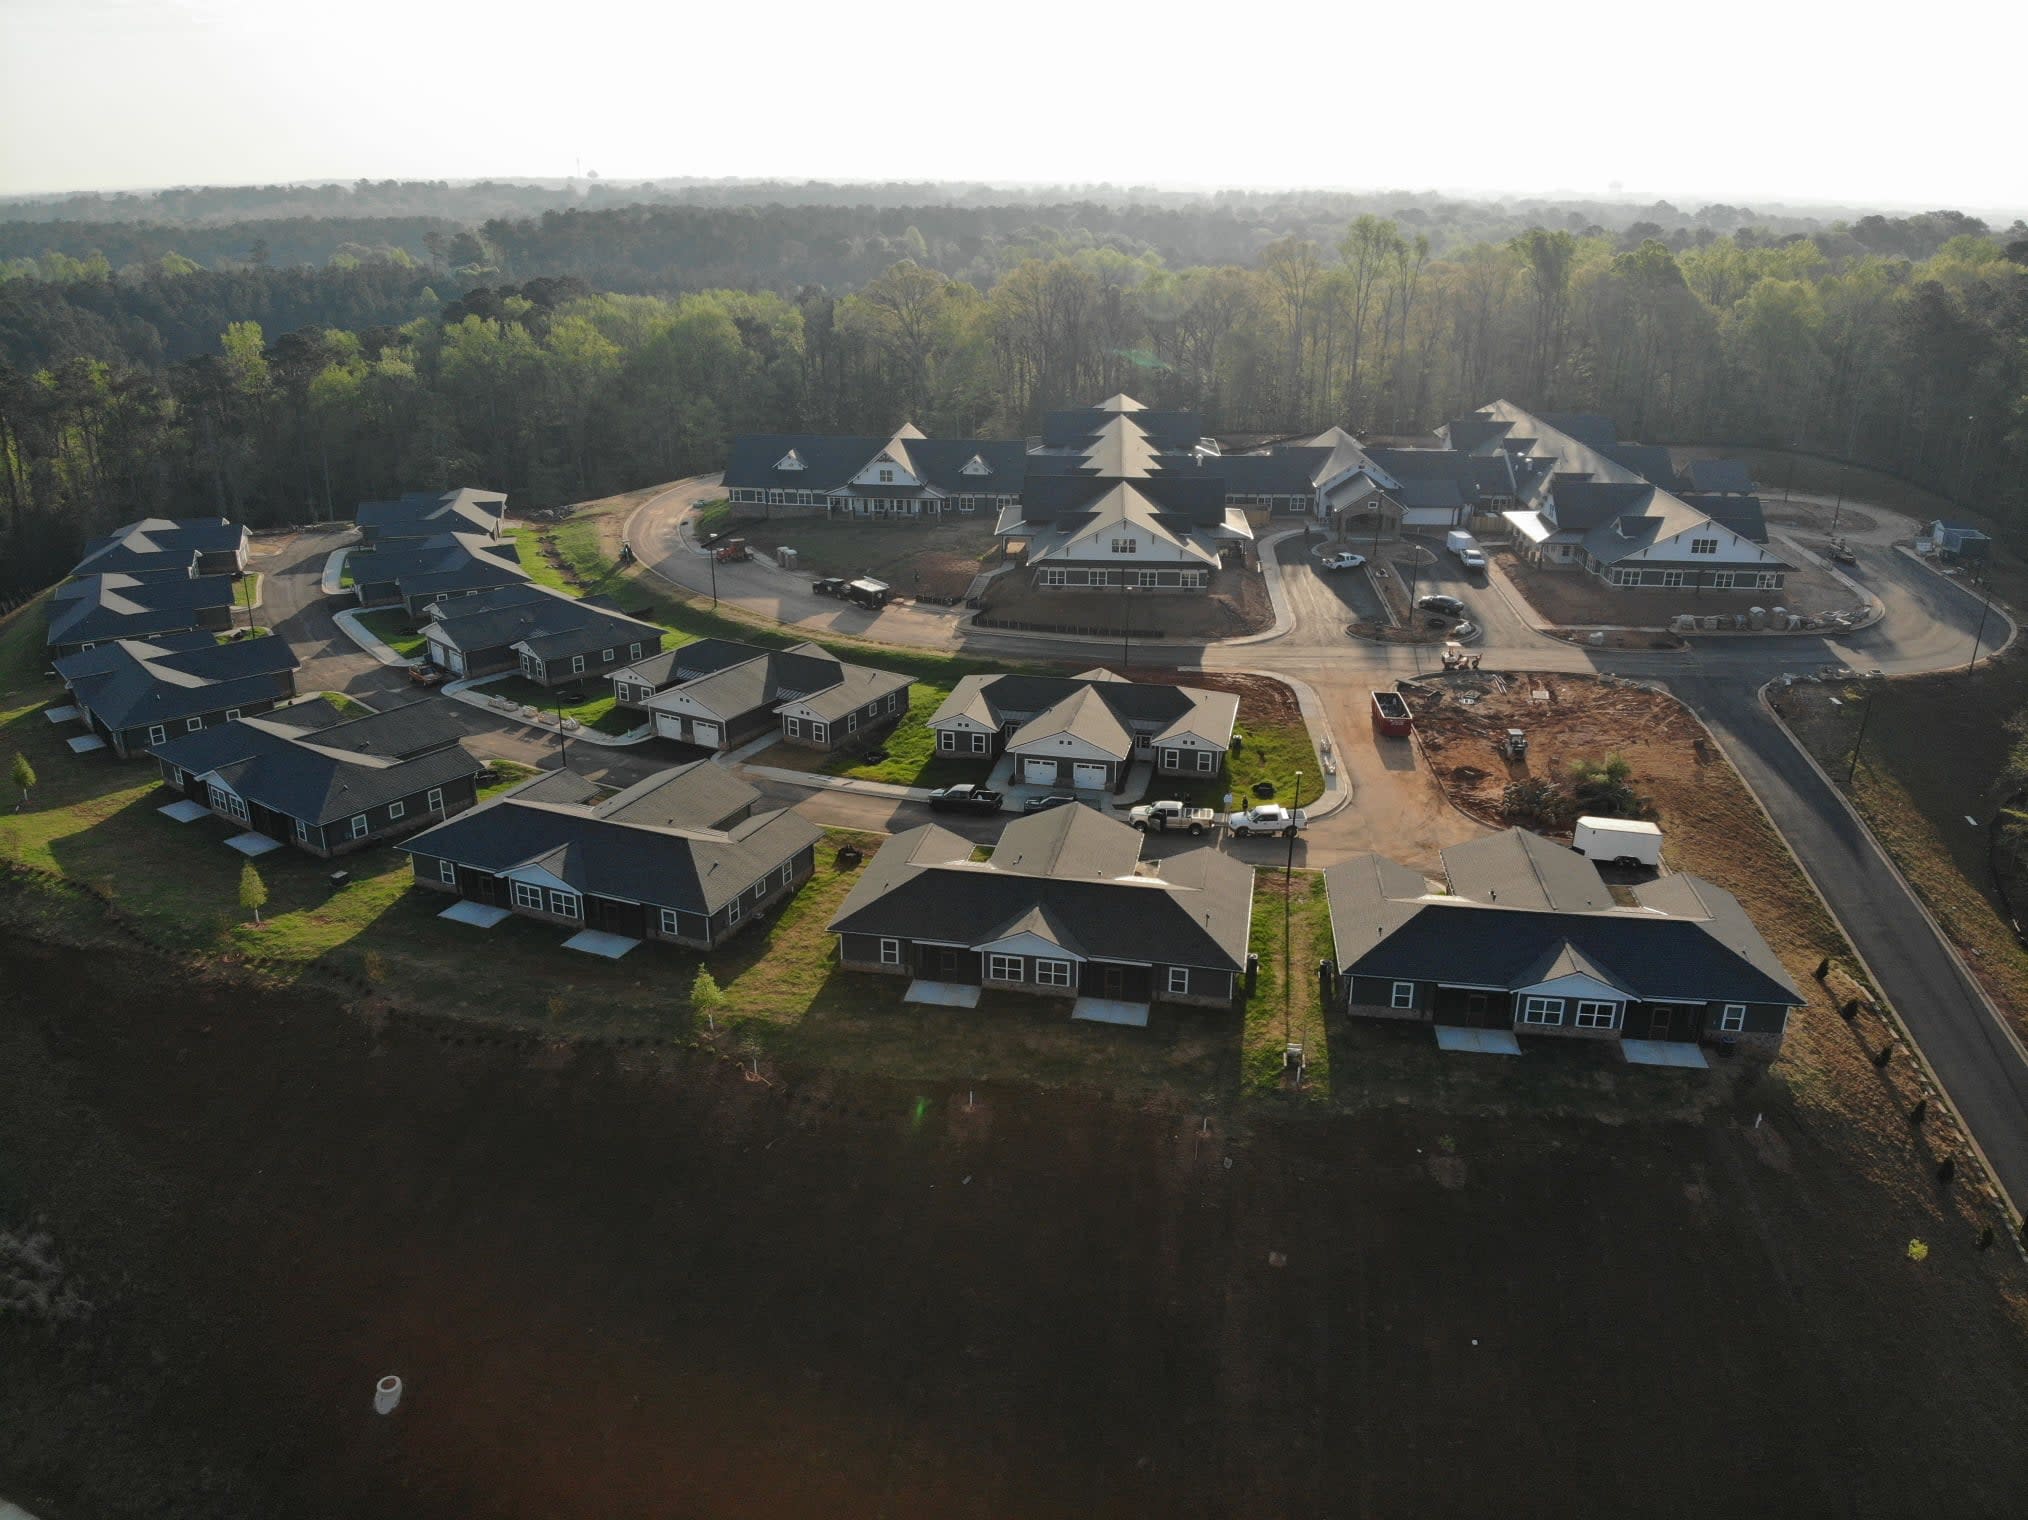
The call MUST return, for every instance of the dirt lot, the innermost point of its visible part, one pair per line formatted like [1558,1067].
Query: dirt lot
[1236,603]
[1573,598]
[623,1285]
[917,559]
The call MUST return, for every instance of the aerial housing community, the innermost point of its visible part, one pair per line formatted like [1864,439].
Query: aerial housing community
[1517,936]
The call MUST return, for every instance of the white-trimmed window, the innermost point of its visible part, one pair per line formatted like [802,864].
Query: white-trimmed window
[1055,575]
[732,913]
[192,725]
[820,733]
[563,904]
[671,924]
[788,872]
[1126,546]
[1542,1010]
[1703,546]
[1769,580]
[978,744]
[890,952]
[1591,1015]
[633,651]
[1401,995]
[1721,580]
[397,809]
[231,714]
[852,721]
[1172,759]
[302,831]
[1003,968]
[528,895]
[947,741]
[157,734]
[1146,579]
[1193,580]
[447,872]
[435,800]
[1179,979]
[1672,578]
[894,701]
[793,727]
[1732,1018]
[577,664]
[1206,761]
[607,656]
[1052,973]
[358,825]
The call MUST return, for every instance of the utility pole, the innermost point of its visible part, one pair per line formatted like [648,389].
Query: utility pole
[1985,608]
[1126,625]
[1288,917]
[714,578]
[1874,693]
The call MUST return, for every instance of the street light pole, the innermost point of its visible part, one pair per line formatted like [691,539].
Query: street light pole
[714,578]
[1985,608]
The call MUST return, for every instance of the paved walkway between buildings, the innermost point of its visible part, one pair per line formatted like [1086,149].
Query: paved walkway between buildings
[348,623]
[334,572]
[578,733]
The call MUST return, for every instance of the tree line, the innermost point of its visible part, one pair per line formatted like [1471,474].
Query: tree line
[554,388]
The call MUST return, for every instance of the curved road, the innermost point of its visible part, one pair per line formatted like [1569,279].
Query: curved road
[1928,624]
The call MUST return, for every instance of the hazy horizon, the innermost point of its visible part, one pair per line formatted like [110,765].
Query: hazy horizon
[120,94]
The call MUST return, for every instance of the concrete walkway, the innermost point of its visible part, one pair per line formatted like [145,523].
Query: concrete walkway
[334,572]
[468,693]
[349,624]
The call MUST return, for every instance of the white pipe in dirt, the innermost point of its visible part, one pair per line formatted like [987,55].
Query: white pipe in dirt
[386,1394]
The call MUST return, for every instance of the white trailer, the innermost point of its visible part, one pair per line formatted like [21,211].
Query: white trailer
[1458,541]
[1623,841]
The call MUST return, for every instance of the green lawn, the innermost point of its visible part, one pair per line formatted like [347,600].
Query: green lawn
[505,774]
[1269,751]
[393,628]
[599,713]
[1271,1021]
[709,517]
[247,592]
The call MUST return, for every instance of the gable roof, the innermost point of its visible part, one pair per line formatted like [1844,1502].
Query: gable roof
[548,623]
[682,838]
[443,562]
[1725,476]
[153,543]
[321,772]
[1521,911]
[96,608]
[1070,876]
[423,514]
[814,462]
[133,683]
[1152,707]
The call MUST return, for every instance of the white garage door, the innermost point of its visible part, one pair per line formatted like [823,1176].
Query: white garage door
[1039,772]
[704,733]
[450,659]
[1085,774]
[669,725]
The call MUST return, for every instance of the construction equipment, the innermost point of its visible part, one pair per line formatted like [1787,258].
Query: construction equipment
[732,551]
[1515,745]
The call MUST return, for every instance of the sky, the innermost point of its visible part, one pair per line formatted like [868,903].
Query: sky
[1726,100]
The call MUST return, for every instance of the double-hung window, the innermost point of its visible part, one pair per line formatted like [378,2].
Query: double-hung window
[447,872]
[633,651]
[788,872]
[1732,1018]
[1052,973]
[358,825]
[890,952]
[947,742]
[1206,761]
[435,800]
[671,925]
[732,913]
[577,664]
[1542,1010]
[302,831]
[1179,979]
[157,734]
[820,733]
[852,721]
[1401,995]
[792,727]
[978,744]
[894,701]
[1003,968]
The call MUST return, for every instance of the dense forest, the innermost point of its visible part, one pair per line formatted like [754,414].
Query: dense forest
[583,350]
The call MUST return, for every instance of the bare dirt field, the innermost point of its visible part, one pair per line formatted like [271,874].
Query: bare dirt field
[622,1284]
[1236,603]
[933,559]
[1573,598]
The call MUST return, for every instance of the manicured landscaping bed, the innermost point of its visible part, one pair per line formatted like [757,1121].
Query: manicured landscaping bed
[597,712]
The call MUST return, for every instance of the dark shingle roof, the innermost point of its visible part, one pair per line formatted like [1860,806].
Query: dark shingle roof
[623,848]
[157,542]
[828,463]
[1522,910]
[1725,476]
[1069,875]
[132,683]
[96,608]
[1742,514]
[420,514]
[1592,429]
[1650,461]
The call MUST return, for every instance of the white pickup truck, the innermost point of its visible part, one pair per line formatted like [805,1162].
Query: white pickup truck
[1268,818]
[1172,815]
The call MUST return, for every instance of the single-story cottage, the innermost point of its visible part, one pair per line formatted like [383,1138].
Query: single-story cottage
[431,514]
[97,609]
[324,783]
[547,636]
[810,697]
[1522,935]
[136,693]
[1086,731]
[173,545]
[1064,908]
[413,573]
[683,856]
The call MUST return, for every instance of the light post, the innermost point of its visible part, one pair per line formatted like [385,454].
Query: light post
[1289,914]
[1874,689]
[1985,608]
[1126,625]
[1836,511]
[714,578]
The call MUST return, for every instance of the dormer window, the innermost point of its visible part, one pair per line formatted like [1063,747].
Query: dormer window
[886,476]
[790,461]
[976,466]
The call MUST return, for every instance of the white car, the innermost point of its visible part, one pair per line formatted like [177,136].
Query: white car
[1472,559]
[1268,818]
[1343,560]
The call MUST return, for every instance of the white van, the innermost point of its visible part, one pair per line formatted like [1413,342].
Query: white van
[1623,841]
[1458,541]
